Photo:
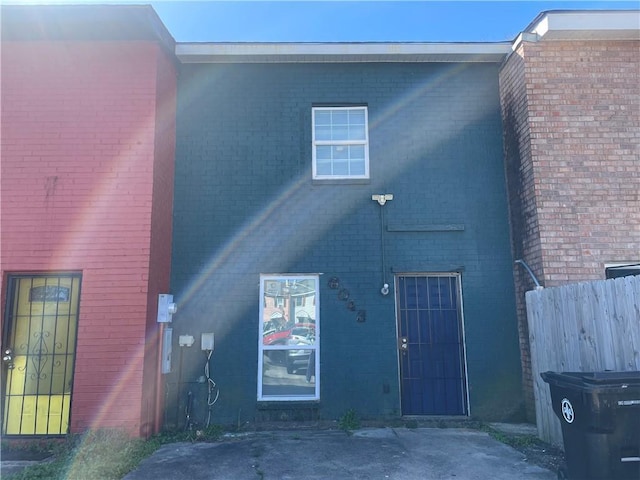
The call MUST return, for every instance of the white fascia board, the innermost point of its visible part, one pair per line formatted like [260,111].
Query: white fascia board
[613,25]
[340,52]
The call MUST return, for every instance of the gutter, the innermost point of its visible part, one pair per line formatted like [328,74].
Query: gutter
[340,52]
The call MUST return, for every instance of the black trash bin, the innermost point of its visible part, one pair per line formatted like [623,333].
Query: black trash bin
[600,417]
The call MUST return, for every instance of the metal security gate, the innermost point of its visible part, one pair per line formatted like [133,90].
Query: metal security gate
[39,351]
[431,345]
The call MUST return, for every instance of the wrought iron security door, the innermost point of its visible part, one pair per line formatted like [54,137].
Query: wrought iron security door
[39,352]
[431,345]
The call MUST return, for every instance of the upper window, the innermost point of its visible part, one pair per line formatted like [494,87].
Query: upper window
[340,143]
[288,349]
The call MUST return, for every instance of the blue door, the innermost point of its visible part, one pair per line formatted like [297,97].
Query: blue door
[431,345]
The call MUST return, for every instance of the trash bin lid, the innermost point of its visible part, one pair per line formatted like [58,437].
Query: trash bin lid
[603,378]
[593,378]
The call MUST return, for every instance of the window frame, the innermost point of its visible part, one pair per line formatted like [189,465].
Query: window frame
[345,143]
[315,347]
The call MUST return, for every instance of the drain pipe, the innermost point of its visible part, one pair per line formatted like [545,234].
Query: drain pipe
[533,277]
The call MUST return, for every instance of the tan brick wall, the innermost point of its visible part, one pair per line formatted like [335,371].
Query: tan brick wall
[571,113]
[584,119]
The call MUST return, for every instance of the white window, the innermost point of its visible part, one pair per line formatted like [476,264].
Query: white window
[289,345]
[340,143]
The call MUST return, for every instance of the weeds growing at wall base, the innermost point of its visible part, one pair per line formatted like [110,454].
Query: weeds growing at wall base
[98,454]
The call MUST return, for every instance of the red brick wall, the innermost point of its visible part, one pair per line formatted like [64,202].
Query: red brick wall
[161,230]
[78,157]
[571,113]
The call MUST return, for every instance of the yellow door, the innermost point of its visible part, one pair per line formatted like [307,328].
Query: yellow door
[39,353]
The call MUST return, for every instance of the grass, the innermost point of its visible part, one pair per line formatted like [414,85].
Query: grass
[515,441]
[412,424]
[349,421]
[99,454]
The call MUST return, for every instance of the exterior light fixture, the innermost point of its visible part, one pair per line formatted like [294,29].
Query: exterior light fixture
[382,198]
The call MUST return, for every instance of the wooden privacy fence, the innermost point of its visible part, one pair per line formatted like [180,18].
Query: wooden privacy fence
[583,327]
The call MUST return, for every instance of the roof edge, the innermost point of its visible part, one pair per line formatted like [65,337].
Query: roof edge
[84,23]
[340,52]
[586,25]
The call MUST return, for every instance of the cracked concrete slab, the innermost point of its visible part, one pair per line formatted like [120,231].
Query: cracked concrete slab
[380,453]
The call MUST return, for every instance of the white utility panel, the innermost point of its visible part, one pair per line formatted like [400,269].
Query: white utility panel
[207,341]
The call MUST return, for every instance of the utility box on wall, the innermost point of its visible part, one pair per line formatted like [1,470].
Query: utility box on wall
[166,308]
[167,337]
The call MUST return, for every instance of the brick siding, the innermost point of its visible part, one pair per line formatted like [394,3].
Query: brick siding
[571,111]
[161,229]
[78,153]
[245,204]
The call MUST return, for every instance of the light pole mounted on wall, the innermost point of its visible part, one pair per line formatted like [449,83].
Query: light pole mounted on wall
[382,199]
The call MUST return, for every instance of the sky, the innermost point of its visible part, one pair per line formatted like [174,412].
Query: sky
[360,21]
[351,21]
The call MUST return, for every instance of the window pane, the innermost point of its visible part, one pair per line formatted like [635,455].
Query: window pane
[323,117]
[356,152]
[323,132]
[340,133]
[289,310]
[323,152]
[357,132]
[357,167]
[356,117]
[340,152]
[340,117]
[323,168]
[341,168]
[288,373]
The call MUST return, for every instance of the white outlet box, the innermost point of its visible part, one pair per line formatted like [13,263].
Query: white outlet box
[186,340]
[207,341]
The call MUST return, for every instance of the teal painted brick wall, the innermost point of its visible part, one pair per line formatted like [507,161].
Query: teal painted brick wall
[245,204]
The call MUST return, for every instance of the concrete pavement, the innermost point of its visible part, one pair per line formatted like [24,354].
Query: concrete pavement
[375,453]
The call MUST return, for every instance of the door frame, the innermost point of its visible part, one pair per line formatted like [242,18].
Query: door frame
[461,321]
